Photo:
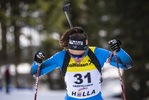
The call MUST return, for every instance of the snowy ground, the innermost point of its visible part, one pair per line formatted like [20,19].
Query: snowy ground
[29,95]
[25,94]
[110,88]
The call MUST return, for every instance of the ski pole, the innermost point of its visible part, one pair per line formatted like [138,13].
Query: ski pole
[120,77]
[37,81]
[65,9]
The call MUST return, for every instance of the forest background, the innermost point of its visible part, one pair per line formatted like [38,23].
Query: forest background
[21,21]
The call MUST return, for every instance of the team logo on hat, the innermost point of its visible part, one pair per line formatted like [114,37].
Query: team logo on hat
[78,44]
[75,42]
[74,46]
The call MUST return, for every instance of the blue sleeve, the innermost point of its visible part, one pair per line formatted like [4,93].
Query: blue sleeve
[102,55]
[50,64]
[124,60]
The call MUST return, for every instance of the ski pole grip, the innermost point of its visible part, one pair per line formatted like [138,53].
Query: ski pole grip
[39,64]
[115,52]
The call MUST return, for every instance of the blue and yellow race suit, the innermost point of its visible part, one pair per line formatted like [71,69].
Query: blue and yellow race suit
[83,80]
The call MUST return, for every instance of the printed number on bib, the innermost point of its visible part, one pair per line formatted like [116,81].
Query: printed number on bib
[80,78]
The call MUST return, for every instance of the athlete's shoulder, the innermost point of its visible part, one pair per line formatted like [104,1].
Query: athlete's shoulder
[60,54]
[98,50]
[92,48]
[101,50]
[57,58]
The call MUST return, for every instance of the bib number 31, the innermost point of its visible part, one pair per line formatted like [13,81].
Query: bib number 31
[80,78]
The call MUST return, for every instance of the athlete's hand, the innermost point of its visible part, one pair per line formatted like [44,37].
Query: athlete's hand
[115,45]
[39,57]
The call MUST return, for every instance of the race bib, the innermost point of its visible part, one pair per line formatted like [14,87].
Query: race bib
[83,84]
[83,80]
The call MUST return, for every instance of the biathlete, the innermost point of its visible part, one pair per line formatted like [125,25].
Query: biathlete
[81,64]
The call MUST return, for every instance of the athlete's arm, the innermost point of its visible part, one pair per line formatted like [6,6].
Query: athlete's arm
[102,55]
[50,64]
[124,60]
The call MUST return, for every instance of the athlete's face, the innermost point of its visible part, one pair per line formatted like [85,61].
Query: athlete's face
[77,55]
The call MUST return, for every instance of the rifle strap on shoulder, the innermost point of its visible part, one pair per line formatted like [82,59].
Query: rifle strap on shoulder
[65,63]
[94,60]
[92,56]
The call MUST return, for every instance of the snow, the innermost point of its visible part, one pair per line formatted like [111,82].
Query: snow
[29,95]
[110,87]
[26,94]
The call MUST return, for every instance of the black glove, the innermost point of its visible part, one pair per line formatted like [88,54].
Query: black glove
[115,45]
[39,56]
